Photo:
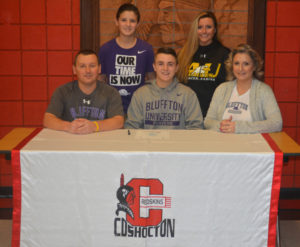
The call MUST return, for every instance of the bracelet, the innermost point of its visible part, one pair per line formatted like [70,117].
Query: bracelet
[97,125]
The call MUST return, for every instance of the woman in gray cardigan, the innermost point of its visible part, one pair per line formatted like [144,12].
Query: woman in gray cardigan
[244,104]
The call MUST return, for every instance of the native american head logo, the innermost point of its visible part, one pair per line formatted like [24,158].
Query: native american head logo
[126,196]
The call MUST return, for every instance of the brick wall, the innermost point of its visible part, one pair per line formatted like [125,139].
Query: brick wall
[282,66]
[38,39]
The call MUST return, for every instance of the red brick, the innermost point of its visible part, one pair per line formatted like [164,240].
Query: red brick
[9,37]
[34,63]
[288,13]
[5,166]
[297,181]
[289,204]
[11,113]
[269,64]
[33,37]
[76,37]
[10,63]
[60,63]
[270,82]
[35,88]
[59,37]
[287,181]
[6,180]
[10,88]
[59,12]
[286,64]
[292,132]
[4,162]
[298,121]
[34,112]
[9,11]
[33,11]
[297,165]
[288,39]
[289,167]
[286,89]
[270,39]
[271,13]
[76,11]
[5,202]
[55,82]
[4,131]
[288,112]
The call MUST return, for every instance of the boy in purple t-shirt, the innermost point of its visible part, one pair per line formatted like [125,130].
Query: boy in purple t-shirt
[126,60]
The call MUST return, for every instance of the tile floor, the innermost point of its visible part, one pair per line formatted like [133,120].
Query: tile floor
[289,233]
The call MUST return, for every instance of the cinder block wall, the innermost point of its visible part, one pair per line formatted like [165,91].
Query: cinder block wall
[38,39]
[282,67]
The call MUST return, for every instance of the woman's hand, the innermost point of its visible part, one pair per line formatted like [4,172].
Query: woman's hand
[227,126]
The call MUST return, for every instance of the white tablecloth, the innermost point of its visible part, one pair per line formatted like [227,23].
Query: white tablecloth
[172,188]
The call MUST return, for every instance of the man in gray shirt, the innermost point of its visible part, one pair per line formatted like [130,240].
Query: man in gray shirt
[85,105]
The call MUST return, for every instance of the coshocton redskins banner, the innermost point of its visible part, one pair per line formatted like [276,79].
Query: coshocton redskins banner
[115,198]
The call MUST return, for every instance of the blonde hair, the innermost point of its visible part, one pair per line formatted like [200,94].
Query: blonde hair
[255,57]
[187,52]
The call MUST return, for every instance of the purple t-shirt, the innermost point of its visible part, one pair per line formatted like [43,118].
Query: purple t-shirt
[126,68]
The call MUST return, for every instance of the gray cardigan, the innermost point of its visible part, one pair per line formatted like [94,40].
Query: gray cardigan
[264,110]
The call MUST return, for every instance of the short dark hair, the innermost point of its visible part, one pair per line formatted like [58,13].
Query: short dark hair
[128,7]
[85,52]
[167,50]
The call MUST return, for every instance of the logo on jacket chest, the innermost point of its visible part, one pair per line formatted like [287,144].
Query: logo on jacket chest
[197,71]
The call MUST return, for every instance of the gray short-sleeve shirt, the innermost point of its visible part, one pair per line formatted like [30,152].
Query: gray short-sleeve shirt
[68,102]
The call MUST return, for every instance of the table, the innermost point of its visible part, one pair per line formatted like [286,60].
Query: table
[13,138]
[7,143]
[285,143]
[120,188]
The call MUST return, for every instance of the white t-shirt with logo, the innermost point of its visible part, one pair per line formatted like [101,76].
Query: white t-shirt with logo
[238,107]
